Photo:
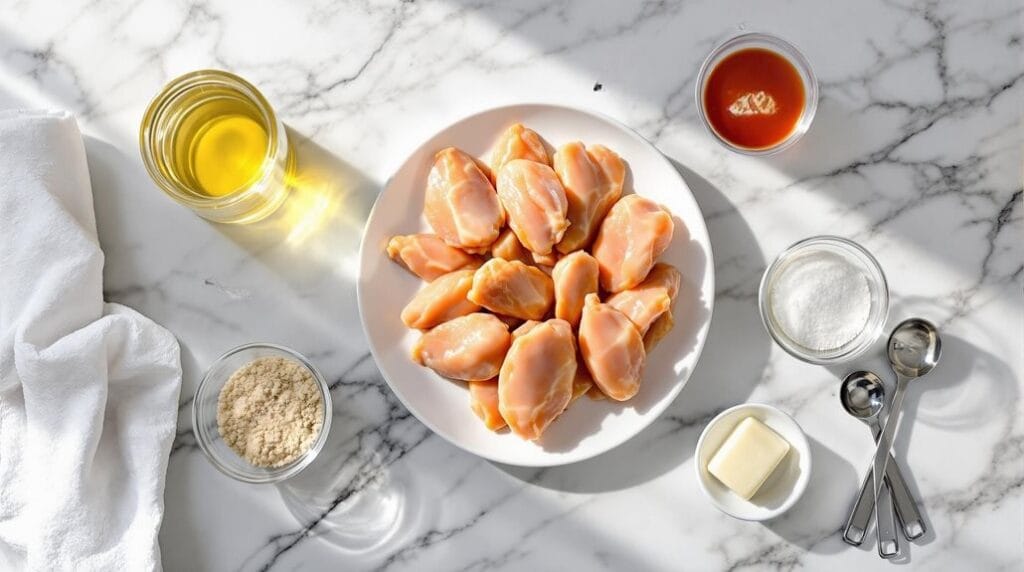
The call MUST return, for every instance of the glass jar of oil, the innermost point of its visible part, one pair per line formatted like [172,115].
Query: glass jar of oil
[212,142]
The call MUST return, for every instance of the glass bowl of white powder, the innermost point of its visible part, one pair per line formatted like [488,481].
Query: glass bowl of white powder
[824,300]
[261,413]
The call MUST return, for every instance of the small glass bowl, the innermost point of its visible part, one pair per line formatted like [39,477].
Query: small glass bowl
[193,99]
[204,415]
[877,315]
[780,47]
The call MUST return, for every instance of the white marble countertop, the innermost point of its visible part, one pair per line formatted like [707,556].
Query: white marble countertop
[915,153]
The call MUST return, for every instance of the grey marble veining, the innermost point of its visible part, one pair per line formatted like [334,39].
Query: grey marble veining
[916,152]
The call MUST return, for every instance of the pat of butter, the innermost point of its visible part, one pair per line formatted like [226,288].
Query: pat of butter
[747,458]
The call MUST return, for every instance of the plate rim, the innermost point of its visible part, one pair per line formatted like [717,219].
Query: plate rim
[655,411]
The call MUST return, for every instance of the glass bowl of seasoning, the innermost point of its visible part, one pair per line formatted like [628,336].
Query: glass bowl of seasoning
[824,300]
[756,94]
[261,413]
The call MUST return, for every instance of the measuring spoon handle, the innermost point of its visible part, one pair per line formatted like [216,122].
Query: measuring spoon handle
[860,517]
[885,519]
[906,507]
[881,459]
[864,508]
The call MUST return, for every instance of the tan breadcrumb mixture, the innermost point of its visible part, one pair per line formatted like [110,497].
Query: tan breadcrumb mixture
[270,411]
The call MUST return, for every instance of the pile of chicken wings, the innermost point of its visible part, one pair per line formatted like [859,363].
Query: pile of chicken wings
[542,280]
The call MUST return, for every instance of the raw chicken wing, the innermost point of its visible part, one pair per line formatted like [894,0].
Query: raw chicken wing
[612,349]
[470,348]
[575,276]
[518,142]
[592,178]
[512,289]
[648,300]
[658,330]
[511,321]
[632,236]
[524,328]
[536,380]
[534,201]
[440,301]
[483,400]
[508,247]
[429,257]
[461,204]
[582,383]
[542,260]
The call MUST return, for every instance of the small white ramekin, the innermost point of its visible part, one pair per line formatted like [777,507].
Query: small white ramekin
[786,484]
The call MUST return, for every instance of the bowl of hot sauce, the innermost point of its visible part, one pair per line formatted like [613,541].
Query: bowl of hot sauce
[756,94]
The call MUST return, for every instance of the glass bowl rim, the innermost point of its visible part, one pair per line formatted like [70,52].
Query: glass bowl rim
[865,338]
[794,56]
[273,475]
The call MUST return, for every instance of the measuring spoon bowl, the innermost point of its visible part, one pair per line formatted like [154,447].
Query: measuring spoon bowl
[862,395]
[914,348]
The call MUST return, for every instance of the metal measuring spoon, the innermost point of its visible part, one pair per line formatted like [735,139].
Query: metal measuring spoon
[863,396]
[914,349]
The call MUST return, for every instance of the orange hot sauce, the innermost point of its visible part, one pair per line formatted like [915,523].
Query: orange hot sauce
[754,98]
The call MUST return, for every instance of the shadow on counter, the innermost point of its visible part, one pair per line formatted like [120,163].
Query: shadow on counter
[722,377]
[812,522]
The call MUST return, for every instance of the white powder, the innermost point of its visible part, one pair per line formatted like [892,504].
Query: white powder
[820,300]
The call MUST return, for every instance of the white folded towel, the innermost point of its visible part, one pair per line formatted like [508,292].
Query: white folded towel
[88,390]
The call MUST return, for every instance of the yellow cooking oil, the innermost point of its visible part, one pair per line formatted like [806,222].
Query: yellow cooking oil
[221,147]
[212,142]
[227,154]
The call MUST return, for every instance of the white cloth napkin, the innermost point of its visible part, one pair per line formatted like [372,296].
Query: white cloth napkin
[88,390]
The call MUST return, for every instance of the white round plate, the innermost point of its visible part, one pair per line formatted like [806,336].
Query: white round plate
[588,427]
[784,486]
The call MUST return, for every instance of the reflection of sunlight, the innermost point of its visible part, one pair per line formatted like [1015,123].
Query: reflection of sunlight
[314,235]
[349,265]
[319,221]
[310,204]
